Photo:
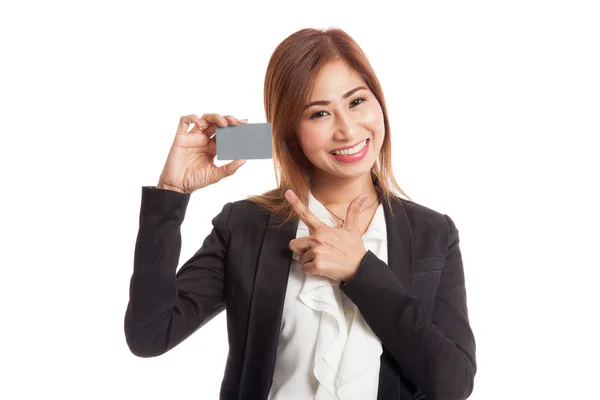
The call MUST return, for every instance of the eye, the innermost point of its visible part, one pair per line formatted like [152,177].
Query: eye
[322,113]
[357,101]
[318,114]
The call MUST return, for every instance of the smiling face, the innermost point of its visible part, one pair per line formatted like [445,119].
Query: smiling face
[341,113]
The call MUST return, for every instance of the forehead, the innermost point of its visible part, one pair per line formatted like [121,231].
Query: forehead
[335,79]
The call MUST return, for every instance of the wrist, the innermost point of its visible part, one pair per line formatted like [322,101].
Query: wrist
[355,269]
[164,186]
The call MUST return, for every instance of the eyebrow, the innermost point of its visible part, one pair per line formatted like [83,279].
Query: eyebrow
[327,102]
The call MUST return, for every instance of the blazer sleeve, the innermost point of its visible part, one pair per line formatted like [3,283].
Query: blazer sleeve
[435,351]
[165,306]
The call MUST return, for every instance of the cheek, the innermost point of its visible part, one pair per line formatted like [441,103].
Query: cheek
[311,139]
[373,120]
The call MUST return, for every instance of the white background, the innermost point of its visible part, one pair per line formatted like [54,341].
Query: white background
[494,110]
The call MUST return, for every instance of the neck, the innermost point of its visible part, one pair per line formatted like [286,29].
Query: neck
[332,191]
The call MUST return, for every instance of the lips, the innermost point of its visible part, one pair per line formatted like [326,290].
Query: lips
[350,158]
[348,147]
[351,146]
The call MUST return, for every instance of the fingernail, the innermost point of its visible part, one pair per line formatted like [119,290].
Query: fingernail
[289,194]
[362,199]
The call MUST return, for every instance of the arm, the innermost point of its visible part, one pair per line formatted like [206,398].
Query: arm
[166,307]
[436,351]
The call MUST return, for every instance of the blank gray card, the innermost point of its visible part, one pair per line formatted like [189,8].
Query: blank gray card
[244,141]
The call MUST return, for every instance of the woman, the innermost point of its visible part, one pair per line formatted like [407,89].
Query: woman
[335,287]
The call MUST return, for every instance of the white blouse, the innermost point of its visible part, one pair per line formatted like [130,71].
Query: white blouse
[326,350]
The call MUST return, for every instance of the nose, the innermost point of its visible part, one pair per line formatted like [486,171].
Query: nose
[346,128]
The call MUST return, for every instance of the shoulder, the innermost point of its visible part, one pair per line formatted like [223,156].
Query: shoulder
[240,212]
[426,222]
[249,207]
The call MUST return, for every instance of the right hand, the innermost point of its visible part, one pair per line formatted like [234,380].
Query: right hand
[190,164]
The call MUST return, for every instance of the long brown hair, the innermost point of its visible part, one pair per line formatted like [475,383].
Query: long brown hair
[291,74]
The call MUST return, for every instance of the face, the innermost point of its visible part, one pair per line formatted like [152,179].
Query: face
[341,113]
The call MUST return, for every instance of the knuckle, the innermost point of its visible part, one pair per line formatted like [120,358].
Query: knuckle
[309,268]
[320,234]
[210,115]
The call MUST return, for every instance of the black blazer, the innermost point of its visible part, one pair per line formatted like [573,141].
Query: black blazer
[416,304]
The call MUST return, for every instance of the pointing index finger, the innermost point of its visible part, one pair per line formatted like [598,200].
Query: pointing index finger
[311,221]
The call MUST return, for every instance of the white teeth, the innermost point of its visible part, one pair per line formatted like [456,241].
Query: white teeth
[351,151]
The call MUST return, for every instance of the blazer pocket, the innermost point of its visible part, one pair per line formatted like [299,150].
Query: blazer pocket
[429,264]
[426,279]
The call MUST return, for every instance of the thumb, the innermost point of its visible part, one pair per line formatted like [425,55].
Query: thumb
[229,169]
[353,211]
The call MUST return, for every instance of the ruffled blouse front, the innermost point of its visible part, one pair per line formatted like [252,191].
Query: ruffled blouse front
[329,339]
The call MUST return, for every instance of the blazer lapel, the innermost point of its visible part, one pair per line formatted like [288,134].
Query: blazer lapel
[400,255]
[266,308]
[400,261]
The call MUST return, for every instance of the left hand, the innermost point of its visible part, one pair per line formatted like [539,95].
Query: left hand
[332,252]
